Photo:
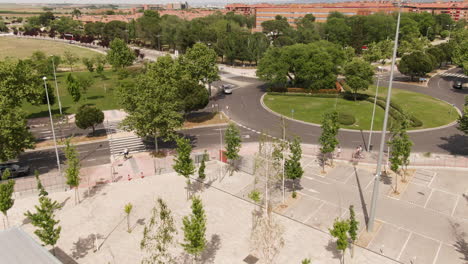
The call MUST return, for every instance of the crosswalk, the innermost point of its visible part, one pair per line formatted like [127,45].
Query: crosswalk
[118,144]
[458,75]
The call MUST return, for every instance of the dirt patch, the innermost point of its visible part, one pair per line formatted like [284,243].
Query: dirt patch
[205,118]
[366,237]
[287,203]
[74,140]
[402,183]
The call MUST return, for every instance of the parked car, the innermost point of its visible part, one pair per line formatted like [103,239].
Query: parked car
[458,85]
[15,169]
[227,88]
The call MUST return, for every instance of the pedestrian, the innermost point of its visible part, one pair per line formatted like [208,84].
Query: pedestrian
[126,153]
[338,152]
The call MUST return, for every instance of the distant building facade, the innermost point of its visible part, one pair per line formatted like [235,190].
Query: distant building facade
[292,12]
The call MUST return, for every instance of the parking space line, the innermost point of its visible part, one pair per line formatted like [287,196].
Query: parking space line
[437,254]
[313,179]
[455,207]
[347,178]
[371,181]
[427,201]
[315,211]
[404,246]
[376,232]
[433,176]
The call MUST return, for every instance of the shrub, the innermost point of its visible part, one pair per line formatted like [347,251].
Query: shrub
[324,91]
[255,196]
[304,94]
[346,119]
[296,90]
[359,96]
[466,100]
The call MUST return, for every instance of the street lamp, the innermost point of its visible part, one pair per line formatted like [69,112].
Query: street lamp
[52,125]
[373,110]
[56,85]
[450,31]
[375,192]
[427,31]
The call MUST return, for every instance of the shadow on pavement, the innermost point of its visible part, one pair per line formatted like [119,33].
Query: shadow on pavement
[361,196]
[461,243]
[209,254]
[62,256]
[331,246]
[455,144]
[82,247]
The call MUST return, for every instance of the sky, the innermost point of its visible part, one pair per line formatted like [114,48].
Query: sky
[219,2]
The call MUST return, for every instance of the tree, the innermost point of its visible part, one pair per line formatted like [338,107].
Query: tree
[183,163]
[40,187]
[415,64]
[232,138]
[337,31]
[89,63]
[201,170]
[73,87]
[328,140]
[152,102]
[267,235]
[84,82]
[76,13]
[72,173]
[359,75]
[306,261]
[353,227]
[71,59]
[194,227]
[340,231]
[66,25]
[43,219]
[7,188]
[148,28]
[15,136]
[158,235]
[88,116]
[119,54]
[293,168]
[396,151]
[128,210]
[463,121]
[277,27]
[100,63]
[200,62]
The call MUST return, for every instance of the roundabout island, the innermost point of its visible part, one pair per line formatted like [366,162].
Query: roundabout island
[423,110]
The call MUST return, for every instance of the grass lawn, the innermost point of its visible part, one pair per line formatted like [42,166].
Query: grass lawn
[11,47]
[100,94]
[430,111]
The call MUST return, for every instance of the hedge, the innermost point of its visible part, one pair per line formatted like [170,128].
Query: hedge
[346,119]
[304,94]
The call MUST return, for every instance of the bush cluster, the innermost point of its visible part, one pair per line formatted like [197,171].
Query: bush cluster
[346,119]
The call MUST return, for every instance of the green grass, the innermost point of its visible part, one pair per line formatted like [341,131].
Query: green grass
[18,48]
[430,111]
[101,94]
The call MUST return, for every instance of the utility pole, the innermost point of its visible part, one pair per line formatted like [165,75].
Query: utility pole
[375,192]
[373,110]
[52,125]
[56,85]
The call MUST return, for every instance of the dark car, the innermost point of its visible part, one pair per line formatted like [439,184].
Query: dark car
[15,169]
[458,85]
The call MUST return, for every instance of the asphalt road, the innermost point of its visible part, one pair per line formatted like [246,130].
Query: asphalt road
[244,107]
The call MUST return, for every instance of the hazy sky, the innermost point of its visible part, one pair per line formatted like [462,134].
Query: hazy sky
[222,2]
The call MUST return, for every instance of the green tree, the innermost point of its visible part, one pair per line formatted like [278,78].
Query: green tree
[73,87]
[43,219]
[72,173]
[200,62]
[100,63]
[183,163]
[340,232]
[463,121]
[396,152]
[119,54]
[158,235]
[277,27]
[415,64]
[88,116]
[201,170]
[40,187]
[359,75]
[337,31]
[232,139]
[353,227]
[406,145]
[194,227]
[89,63]
[292,165]
[66,25]
[71,59]
[76,13]
[45,18]
[148,28]
[128,210]
[7,188]
[306,261]
[306,29]
[15,136]
[152,102]
[328,140]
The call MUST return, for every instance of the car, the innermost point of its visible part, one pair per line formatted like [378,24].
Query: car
[458,85]
[15,169]
[227,88]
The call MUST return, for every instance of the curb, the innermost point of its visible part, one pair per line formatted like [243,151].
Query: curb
[359,131]
[61,146]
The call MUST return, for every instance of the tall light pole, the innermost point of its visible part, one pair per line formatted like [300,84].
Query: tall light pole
[52,125]
[56,85]
[375,192]
[373,110]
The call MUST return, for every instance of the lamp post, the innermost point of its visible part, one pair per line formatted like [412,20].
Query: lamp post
[56,85]
[52,125]
[375,192]
[427,32]
[373,110]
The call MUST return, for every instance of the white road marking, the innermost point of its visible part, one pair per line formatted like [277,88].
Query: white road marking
[315,211]
[43,167]
[44,132]
[455,207]
[427,201]
[38,158]
[404,245]
[437,254]
[91,160]
[313,179]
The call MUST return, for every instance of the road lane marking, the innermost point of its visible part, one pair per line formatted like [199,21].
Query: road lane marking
[404,245]
[425,204]
[455,207]
[91,160]
[315,211]
[437,254]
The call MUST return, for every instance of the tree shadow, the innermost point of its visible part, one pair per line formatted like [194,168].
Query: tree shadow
[95,97]
[209,254]
[385,178]
[461,243]
[331,246]
[93,191]
[455,144]
[62,204]
[200,117]
[45,113]
[62,256]
[83,246]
